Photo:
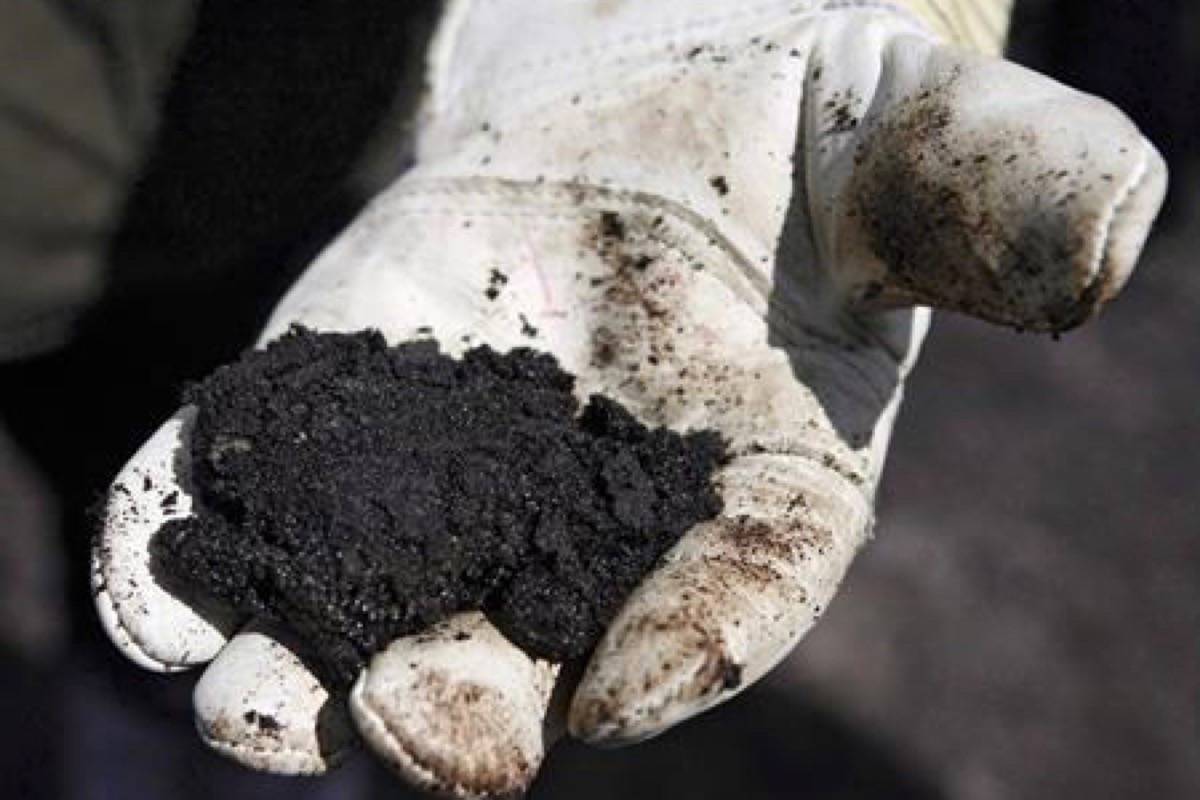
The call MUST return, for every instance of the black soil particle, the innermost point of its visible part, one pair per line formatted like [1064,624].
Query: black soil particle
[720,184]
[357,492]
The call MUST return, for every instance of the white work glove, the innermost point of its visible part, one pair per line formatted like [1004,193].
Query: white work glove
[723,215]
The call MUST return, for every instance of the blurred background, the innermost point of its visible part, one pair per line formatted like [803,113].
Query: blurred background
[1026,624]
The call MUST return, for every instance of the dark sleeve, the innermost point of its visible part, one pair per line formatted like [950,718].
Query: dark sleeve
[79,88]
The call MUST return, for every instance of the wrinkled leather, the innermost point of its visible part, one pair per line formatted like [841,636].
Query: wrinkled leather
[724,215]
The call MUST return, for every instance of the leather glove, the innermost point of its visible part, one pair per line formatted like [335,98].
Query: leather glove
[725,215]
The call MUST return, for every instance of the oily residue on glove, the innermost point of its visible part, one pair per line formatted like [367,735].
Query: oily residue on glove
[357,492]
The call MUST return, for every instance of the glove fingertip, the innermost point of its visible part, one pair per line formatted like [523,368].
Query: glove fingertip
[458,711]
[258,704]
[150,625]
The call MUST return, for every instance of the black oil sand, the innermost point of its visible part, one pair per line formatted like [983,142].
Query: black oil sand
[357,492]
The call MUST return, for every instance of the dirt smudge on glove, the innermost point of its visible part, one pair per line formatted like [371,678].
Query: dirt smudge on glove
[961,223]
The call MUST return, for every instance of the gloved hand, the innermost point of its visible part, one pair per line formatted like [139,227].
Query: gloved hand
[725,215]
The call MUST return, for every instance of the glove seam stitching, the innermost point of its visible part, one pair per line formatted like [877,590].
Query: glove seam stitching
[824,463]
[1101,267]
[320,762]
[400,755]
[588,200]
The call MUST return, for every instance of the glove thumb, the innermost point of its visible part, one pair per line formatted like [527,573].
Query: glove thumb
[975,185]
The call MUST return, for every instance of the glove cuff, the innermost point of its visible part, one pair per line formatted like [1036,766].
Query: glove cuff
[980,25]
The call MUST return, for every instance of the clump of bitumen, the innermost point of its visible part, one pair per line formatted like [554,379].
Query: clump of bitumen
[357,492]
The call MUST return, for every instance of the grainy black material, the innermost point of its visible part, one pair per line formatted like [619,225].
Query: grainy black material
[357,492]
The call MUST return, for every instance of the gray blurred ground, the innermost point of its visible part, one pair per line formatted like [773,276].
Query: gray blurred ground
[1026,624]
